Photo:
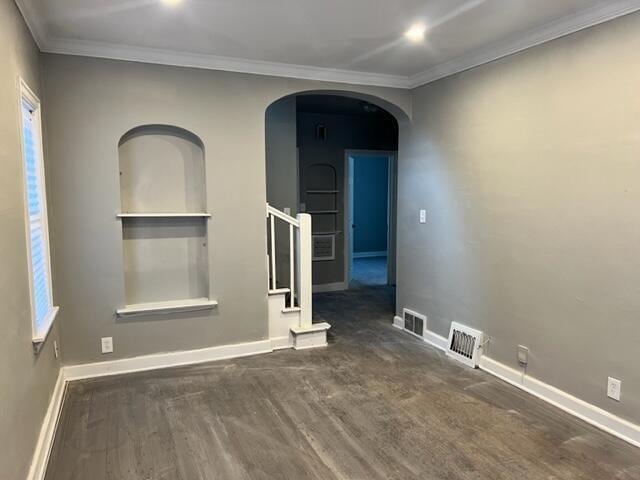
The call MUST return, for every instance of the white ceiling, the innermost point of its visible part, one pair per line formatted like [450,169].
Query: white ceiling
[355,41]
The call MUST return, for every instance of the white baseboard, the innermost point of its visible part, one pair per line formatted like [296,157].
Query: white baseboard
[429,337]
[369,254]
[165,360]
[126,365]
[330,287]
[47,431]
[436,340]
[280,343]
[596,416]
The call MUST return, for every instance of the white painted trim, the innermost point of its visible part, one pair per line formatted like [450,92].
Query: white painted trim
[436,340]
[551,31]
[165,360]
[214,62]
[369,254]
[159,308]
[523,41]
[47,431]
[591,414]
[330,287]
[596,416]
[280,343]
[433,339]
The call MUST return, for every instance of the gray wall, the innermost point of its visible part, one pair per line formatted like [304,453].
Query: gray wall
[344,132]
[370,198]
[26,380]
[92,103]
[528,168]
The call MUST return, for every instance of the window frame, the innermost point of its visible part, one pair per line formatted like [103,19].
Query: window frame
[27,95]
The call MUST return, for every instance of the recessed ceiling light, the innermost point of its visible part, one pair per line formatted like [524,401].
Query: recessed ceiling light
[172,3]
[416,33]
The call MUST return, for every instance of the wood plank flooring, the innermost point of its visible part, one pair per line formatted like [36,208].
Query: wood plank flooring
[375,404]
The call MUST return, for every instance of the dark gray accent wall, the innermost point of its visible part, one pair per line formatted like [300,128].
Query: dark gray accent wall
[529,168]
[344,132]
[26,380]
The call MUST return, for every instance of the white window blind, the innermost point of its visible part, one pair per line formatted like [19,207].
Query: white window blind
[42,309]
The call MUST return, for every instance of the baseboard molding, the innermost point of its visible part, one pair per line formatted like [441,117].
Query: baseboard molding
[127,365]
[330,287]
[429,337]
[165,360]
[591,414]
[279,343]
[42,451]
[596,416]
[369,254]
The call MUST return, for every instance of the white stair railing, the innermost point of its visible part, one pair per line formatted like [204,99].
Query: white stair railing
[300,261]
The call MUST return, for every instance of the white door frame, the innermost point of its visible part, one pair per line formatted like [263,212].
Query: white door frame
[348,213]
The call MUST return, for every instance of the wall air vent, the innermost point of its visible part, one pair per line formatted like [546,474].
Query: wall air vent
[324,247]
[465,344]
[414,322]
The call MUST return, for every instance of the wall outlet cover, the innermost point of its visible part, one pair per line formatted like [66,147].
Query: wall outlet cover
[614,386]
[423,216]
[523,355]
[107,344]
[56,349]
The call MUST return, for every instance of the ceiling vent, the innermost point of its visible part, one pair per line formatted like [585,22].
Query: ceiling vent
[414,322]
[465,344]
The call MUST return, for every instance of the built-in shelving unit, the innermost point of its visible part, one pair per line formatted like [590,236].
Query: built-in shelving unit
[164,222]
[322,203]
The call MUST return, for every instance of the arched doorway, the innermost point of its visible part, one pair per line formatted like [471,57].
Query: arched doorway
[312,138]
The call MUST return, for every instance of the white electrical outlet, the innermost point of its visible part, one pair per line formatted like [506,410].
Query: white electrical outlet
[107,344]
[614,386]
[423,216]
[56,349]
[287,211]
[523,355]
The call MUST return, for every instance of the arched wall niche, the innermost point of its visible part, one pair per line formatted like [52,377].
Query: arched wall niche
[162,169]
[164,220]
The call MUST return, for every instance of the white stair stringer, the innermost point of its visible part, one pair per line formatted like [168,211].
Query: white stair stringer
[281,321]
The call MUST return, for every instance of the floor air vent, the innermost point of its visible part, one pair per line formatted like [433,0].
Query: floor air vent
[465,344]
[414,322]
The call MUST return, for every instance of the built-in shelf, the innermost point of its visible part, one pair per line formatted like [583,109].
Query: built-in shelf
[323,212]
[164,215]
[335,232]
[188,305]
[323,191]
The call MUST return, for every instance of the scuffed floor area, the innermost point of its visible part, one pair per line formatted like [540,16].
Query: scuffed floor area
[376,404]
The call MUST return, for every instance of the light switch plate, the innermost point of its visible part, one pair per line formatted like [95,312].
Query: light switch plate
[107,344]
[423,216]
[287,211]
[614,386]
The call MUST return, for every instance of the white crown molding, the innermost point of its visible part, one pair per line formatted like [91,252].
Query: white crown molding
[229,64]
[550,31]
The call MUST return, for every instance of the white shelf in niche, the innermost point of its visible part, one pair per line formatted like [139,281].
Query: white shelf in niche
[154,308]
[164,215]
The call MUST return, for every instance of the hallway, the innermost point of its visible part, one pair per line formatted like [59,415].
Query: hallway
[376,404]
[369,272]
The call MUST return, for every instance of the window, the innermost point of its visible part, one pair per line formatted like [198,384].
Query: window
[42,310]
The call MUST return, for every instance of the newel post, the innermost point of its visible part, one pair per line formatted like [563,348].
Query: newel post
[304,265]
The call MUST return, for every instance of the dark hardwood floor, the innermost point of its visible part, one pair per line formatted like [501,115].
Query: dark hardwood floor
[375,404]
